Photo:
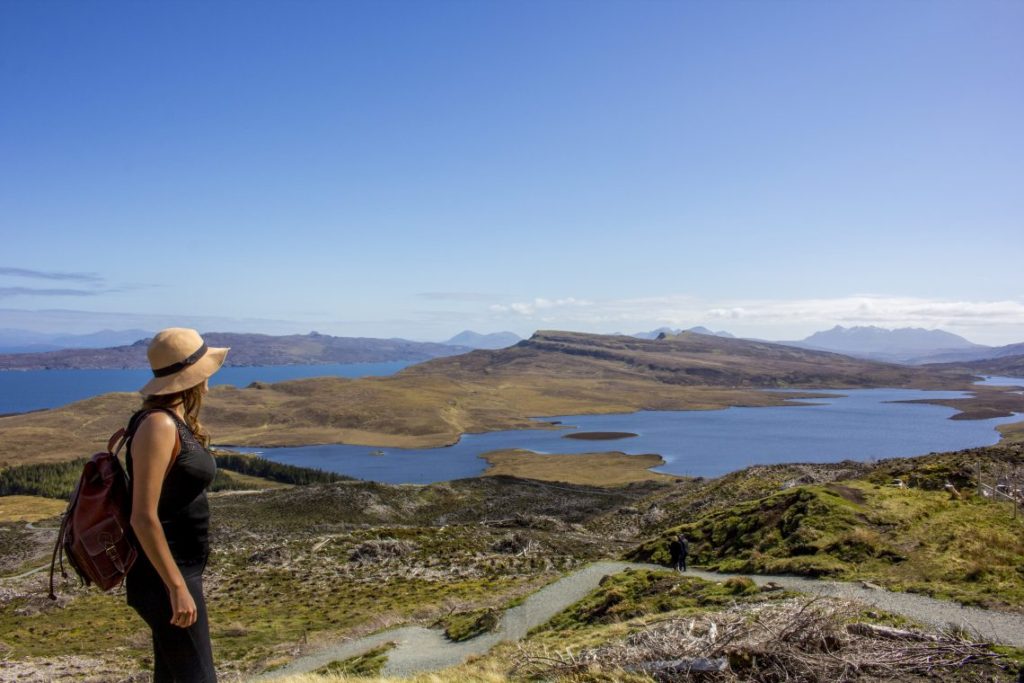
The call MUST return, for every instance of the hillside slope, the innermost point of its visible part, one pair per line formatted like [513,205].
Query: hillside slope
[1007,366]
[688,359]
[246,349]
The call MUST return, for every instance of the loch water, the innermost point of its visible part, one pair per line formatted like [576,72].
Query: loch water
[861,424]
[25,390]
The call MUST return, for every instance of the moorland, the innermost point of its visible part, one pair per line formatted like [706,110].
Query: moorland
[303,560]
[298,567]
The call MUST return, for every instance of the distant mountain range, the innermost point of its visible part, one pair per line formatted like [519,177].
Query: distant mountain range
[663,332]
[246,349]
[907,345]
[109,348]
[475,340]
[26,341]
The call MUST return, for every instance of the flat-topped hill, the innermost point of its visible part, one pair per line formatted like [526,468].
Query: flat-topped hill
[687,358]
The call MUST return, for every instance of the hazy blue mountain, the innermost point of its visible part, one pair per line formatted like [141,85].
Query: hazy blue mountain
[903,345]
[703,330]
[669,332]
[26,341]
[475,340]
[654,334]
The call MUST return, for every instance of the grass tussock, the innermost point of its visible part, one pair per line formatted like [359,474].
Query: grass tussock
[640,593]
[369,663]
[462,626]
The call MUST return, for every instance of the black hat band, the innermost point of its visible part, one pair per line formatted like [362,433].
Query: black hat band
[181,365]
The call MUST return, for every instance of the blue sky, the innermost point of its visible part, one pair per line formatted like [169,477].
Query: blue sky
[417,168]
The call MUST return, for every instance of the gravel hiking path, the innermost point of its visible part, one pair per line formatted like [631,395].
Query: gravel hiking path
[422,649]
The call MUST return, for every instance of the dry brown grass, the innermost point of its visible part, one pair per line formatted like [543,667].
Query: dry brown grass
[29,508]
[613,468]
[1012,433]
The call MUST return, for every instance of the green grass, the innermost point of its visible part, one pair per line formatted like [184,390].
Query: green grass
[640,592]
[370,663]
[92,622]
[916,540]
[461,626]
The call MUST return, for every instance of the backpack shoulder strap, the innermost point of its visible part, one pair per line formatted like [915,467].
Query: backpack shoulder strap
[136,420]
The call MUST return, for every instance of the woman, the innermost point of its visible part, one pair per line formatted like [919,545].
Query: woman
[170,469]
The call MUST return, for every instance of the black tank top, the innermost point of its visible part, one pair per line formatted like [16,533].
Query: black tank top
[183,509]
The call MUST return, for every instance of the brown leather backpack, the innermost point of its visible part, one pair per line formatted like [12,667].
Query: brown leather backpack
[95,531]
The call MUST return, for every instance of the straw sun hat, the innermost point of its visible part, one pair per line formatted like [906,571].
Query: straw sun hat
[180,359]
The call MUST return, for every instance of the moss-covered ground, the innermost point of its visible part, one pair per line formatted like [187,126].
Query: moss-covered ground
[311,564]
[636,593]
[912,539]
[370,663]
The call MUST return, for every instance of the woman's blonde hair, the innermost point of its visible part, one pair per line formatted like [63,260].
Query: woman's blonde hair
[190,400]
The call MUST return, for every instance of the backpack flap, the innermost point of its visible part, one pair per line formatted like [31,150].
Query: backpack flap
[108,550]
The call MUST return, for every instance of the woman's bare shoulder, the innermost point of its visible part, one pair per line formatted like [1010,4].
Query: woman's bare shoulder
[157,423]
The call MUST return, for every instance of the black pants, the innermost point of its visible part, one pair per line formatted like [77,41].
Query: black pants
[180,655]
[681,562]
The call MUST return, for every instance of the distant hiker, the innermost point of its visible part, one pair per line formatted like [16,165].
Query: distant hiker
[684,550]
[170,469]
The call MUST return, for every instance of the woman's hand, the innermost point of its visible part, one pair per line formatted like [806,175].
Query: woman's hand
[183,607]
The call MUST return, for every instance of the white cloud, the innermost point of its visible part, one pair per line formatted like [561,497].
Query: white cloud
[775,318]
[876,310]
[530,308]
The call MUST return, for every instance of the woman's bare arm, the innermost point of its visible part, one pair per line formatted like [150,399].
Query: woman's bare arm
[152,449]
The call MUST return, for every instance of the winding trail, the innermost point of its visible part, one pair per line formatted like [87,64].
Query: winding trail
[422,649]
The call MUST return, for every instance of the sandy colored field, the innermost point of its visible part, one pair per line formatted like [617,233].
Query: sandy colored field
[29,508]
[613,468]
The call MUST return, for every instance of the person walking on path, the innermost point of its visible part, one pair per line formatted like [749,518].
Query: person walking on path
[684,550]
[170,468]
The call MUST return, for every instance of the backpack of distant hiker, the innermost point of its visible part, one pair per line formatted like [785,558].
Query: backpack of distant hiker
[95,532]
